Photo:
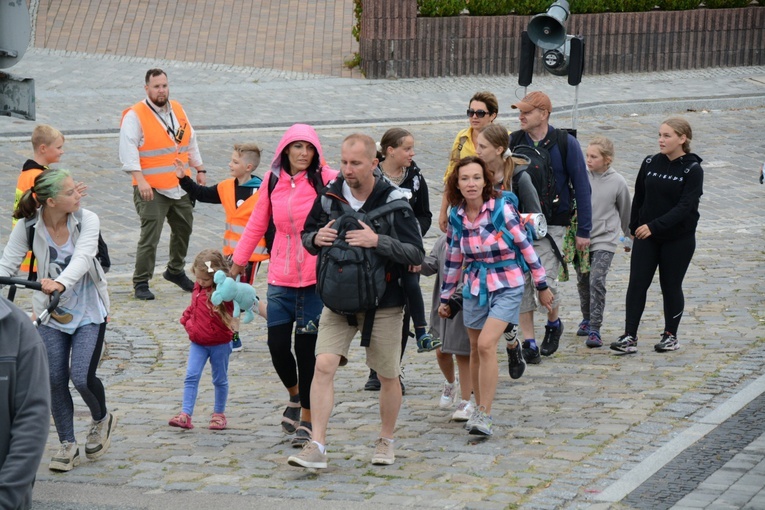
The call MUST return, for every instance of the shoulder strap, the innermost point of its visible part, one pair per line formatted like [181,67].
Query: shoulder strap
[29,224]
[563,146]
[516,137]
[463,139]
[500,225]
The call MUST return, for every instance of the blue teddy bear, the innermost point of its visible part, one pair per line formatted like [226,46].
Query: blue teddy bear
[242,294]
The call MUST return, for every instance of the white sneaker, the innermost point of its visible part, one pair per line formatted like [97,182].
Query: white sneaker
[450,395]
[464,411]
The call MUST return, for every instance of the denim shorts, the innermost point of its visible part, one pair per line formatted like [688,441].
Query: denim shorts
[503,304]
[290,304]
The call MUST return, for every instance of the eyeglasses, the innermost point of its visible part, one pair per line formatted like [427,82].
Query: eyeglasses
[478,113]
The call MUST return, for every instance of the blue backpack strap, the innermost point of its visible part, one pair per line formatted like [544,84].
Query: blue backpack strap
[500,225]
[456,222]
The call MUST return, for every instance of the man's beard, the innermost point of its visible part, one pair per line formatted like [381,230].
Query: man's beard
[161,101]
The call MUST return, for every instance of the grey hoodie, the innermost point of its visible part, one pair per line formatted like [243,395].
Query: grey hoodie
[24,406]
[611,205]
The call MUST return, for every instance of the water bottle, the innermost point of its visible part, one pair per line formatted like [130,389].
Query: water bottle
[627,242]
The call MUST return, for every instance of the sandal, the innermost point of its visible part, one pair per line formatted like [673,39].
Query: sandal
[427,343]
[291,417]
[303,434]
[183,421]
[218,421]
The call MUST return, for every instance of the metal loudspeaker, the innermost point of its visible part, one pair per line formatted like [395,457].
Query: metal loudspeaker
[548,30]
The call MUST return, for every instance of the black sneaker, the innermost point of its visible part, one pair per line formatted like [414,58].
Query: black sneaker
[668,343]
[516,365]
[531,354]
[373,383]
[626,343]
[551,340]
[142,291]
[180,279]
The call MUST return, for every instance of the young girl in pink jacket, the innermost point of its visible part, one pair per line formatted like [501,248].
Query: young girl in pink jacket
[292,299]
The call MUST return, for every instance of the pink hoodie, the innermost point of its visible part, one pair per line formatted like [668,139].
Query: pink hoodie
[290,264]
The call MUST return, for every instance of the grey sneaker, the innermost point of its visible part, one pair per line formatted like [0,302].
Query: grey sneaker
[464,411]
[383,452]
[309,457]
[482,424]
[449,395]
[66,458]
[668,343]
[473,417]
[100,437]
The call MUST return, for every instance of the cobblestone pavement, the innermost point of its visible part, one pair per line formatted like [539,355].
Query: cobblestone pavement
[565,431]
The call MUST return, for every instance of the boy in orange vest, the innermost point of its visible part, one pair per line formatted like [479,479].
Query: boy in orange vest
[238,196]
[47,147]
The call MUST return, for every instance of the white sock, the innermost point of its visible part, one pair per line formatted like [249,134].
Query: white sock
[322,448]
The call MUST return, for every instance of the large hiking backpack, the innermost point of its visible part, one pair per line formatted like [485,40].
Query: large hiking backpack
[273,180]
[540,169]
[352,279]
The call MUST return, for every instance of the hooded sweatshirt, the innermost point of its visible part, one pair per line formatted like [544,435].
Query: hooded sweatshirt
[667,195]
[610,209]
[291,201]
[24,405]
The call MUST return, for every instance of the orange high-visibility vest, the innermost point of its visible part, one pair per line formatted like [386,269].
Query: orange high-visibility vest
[25,182]
[236,220]
[159,150]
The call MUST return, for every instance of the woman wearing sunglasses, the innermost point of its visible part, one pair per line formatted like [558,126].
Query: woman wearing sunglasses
[482,110]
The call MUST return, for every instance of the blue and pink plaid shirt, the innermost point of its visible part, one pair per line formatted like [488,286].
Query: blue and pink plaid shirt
[482,244]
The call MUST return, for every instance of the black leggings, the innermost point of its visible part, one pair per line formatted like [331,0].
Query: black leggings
[672,258]
[291,372]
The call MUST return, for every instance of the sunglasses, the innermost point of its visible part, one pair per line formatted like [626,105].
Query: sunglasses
[478,113]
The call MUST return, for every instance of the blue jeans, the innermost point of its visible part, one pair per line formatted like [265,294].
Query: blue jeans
[198,356]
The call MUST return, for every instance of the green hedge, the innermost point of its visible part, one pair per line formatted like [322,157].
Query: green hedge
[726,4]
[439,8]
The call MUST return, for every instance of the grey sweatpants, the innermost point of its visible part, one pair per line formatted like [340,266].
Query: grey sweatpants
[592,287]
[85,347]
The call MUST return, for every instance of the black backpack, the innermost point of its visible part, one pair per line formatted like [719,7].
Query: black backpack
[102,255]
[318,184]
[351,279]
[540,169]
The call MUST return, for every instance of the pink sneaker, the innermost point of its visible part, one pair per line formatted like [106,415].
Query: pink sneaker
[183,421]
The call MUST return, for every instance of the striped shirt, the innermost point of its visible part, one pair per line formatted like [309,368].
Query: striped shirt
[482,245]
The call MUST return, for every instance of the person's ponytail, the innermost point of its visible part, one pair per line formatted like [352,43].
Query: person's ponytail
[27,206]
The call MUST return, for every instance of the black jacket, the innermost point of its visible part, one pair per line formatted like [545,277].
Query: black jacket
[414,182]
[401,251]
[667,195]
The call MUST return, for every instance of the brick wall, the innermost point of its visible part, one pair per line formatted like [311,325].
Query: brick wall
[395,43]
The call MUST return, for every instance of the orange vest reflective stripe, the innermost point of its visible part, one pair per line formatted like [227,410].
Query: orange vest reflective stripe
[236,220]
[26,181]
[159,150]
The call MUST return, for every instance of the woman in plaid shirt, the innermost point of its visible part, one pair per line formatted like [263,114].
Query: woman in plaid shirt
[493,278]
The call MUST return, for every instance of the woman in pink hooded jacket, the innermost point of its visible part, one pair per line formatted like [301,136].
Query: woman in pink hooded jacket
[292,298]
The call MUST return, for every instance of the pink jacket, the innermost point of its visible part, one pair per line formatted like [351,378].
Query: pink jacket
[290,264]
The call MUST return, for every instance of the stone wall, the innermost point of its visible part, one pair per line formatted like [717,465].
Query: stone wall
[395,43]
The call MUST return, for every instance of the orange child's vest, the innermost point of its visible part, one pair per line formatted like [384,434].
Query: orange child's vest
[236,220]
[159,150]
[26,181]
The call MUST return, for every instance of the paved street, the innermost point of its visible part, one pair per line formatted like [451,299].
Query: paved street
[574,432]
